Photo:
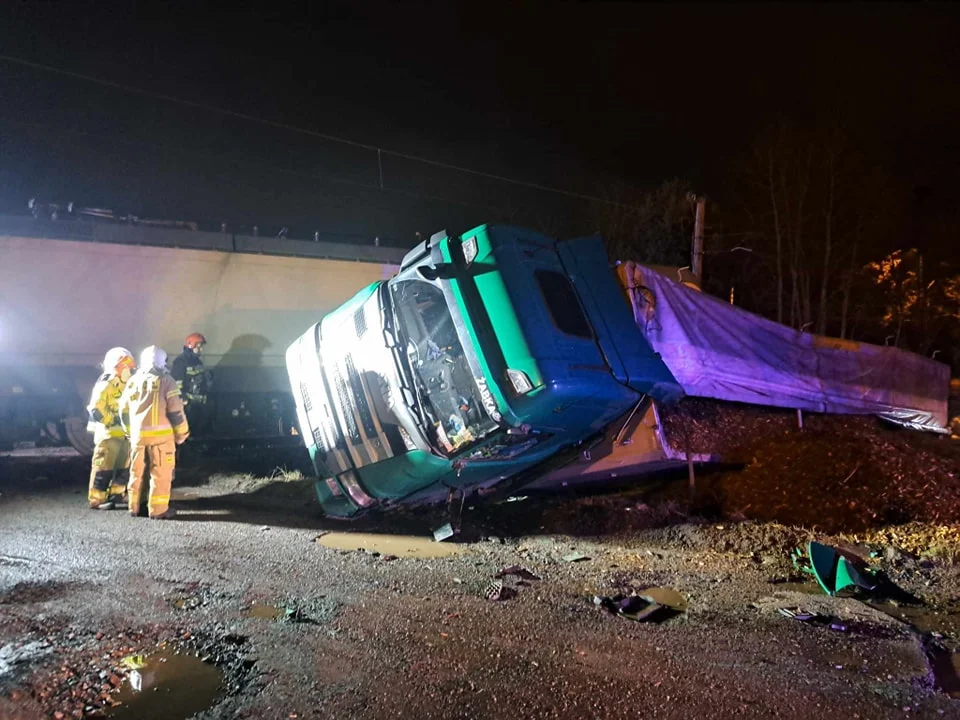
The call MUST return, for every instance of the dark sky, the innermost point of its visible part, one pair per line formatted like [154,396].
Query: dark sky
[567,95]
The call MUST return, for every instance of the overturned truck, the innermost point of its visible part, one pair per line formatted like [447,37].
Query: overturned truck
[505,357]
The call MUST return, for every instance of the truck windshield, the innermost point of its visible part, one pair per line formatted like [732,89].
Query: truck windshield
[450,396]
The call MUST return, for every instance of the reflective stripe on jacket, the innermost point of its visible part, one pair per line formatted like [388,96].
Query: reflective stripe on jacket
[103,410]
[151,408]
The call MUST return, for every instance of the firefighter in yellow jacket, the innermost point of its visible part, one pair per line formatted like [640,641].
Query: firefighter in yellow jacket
[111,450]
[152,413]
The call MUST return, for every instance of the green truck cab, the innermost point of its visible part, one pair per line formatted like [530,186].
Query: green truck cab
[486,356]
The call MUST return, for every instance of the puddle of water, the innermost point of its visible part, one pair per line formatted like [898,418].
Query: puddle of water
[946,671]
[173,687]
[924,619]
[810,588]
[265,612]
[399,545]
[666,596]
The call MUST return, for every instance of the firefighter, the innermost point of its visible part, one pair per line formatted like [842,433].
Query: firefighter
[111,450]
[152,413]
[192,379]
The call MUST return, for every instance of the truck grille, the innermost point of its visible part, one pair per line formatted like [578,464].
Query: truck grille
[363,407]
[319,441]
[360,321]
[343,395]
[305,394]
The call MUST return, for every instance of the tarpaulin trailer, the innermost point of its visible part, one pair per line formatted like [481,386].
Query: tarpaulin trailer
[501,354]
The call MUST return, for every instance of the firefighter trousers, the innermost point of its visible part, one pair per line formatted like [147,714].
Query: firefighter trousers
[111,457]
[159,459]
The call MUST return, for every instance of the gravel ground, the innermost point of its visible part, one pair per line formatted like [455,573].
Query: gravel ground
[301,630]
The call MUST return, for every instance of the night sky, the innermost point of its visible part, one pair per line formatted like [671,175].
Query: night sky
[571,96]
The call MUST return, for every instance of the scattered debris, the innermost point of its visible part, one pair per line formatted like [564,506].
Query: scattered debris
[834,571]
[443,532]
[666,596]
[519,571]
[494,591]
[134,662]
[799,614]
[136,680]
[814,617]
[634,607]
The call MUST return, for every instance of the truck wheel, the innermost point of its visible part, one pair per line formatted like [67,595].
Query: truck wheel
[77,435]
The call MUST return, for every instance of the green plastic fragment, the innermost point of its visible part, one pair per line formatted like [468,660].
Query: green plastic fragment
[823,561]
[833,571]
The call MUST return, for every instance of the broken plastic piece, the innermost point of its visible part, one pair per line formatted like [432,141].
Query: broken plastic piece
[848,576]
[634,607]
[834,572]
[798,614]
[575,557]
[519,571]
[136,680]
[134,662]
[494,591]
[443,532]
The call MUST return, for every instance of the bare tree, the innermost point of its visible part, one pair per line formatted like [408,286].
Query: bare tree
[653,226]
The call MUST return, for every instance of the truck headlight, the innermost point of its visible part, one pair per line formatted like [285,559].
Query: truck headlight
[348,480]
[470,250]
[521,383]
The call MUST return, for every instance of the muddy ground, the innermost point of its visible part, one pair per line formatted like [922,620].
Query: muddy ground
[252,584]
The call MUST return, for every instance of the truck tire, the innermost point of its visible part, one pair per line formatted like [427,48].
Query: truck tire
[77,435]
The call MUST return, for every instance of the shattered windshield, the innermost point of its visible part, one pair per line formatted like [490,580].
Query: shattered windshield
[450,396]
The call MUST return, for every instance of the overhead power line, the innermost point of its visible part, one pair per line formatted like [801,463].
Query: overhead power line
[251,164]
[305,131]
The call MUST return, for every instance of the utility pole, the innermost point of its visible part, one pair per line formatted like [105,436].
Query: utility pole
[696,262]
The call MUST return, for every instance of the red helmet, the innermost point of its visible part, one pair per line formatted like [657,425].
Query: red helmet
[193,340]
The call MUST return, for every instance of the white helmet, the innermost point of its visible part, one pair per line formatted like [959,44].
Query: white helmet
[115,356]
[153,357]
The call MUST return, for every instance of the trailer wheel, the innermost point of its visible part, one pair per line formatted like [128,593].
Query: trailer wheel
[76,431]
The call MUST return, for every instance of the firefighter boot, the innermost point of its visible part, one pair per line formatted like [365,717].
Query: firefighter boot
[97,496]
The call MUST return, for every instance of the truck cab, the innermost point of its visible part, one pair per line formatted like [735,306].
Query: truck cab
[484,357]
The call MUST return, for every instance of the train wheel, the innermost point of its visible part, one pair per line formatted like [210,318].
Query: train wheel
[77,435]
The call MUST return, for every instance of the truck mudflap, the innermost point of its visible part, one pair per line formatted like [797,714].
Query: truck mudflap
[631,358]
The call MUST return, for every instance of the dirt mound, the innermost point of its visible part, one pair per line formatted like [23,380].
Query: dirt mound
[840,473]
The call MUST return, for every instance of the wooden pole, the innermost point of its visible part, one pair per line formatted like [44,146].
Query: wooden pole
[697,259]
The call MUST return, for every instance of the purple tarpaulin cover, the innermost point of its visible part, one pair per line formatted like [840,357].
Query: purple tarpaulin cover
[717,350]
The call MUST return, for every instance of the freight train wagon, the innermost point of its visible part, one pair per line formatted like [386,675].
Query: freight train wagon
[71,290]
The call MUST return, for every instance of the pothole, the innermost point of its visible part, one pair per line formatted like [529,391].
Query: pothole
[24,593]
[312,611]
[128,675]
[264,611]
[193,596]
[167,685]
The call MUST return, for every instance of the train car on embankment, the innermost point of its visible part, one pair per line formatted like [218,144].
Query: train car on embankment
[70,290]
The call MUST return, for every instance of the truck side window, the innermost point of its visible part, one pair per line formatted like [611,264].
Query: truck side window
[563,304]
